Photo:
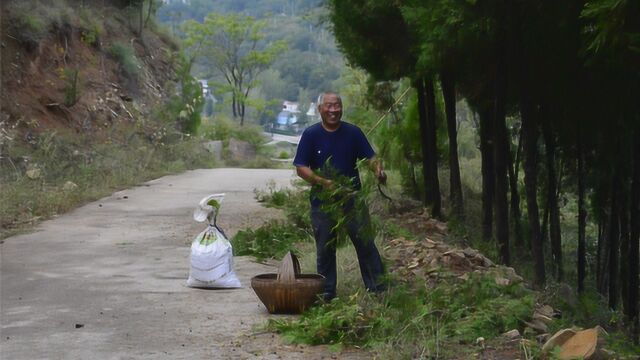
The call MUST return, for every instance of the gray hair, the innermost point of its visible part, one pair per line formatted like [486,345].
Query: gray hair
[323,94]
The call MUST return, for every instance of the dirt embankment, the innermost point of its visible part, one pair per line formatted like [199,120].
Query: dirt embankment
[79,65]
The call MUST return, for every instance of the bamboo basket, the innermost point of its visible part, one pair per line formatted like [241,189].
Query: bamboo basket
[288,291]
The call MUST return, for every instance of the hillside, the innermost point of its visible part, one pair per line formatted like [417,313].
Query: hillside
[91,102]
[68,65]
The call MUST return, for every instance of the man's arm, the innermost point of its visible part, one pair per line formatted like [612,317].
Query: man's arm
[309,176]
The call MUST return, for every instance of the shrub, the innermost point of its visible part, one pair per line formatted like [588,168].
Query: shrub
[283,155]
[97,169]
[272,240]
[414,319]
[125,55]
[71,89]
[91,28]
[29,29]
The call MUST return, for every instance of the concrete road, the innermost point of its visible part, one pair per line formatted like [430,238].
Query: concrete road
[293,139]
[107,280]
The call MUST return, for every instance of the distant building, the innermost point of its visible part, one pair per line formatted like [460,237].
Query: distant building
[286,120]
[204,84]
[166,2]
[290,106]
[209,100]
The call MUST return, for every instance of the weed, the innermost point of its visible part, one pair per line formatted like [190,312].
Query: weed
[97,169]
[272,240]
[294,202]
[414,320]
[125,55]
[91,27]
[29,29]
[71,89]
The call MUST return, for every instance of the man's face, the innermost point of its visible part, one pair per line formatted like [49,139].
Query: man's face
[331,110]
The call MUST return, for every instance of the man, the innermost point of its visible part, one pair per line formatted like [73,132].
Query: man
[334,147]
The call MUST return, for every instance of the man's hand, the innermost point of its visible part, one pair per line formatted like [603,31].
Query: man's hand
[376,165]
[309,176]
[382,177]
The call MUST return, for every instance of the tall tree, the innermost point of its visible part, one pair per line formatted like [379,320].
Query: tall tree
[634,240]
[433,192]
[582,213]
[488,173]
[388,53]
[232,45]
[455,184]
[552,197]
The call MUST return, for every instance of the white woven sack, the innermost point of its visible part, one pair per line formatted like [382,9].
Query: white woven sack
[212,264]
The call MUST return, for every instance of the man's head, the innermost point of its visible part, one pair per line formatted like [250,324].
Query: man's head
[330,109]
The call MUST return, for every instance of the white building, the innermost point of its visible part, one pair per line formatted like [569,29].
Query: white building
[290,106]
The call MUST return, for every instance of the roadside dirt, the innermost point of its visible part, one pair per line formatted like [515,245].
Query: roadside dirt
[108,279]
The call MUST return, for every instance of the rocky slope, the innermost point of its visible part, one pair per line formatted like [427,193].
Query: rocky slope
[79,65]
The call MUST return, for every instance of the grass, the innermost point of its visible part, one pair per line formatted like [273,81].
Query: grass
[126,57]
[442,320]
[272,240]
[96,170]
[414,320]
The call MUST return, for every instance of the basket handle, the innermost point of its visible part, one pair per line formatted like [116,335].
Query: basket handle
[289,269]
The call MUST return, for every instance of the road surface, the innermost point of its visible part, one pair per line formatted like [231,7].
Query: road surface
[107,280]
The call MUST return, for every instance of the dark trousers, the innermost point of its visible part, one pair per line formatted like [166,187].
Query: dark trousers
[358,228]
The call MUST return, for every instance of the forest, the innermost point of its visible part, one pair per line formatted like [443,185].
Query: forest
[554,86]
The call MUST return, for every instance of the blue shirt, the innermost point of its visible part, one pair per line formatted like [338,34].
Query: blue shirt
[340,150]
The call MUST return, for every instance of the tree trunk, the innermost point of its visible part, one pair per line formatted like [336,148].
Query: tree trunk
[515,197]
[614,234]
[500,150]
[140,18]
[233,106]
[530,144]
[603,256]
[552,198]
[500,202]
[634,240]
[430,97]
[624,245]
[242,109]
[488,178]
[424,140]
[582,215]
[455,185]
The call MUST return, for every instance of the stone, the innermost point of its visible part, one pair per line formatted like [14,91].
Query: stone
[538,326]
[512,334]
[215,148]
[542,338]
[546,310]
[69,186]
[545,319]
[241,150]
[34,173]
